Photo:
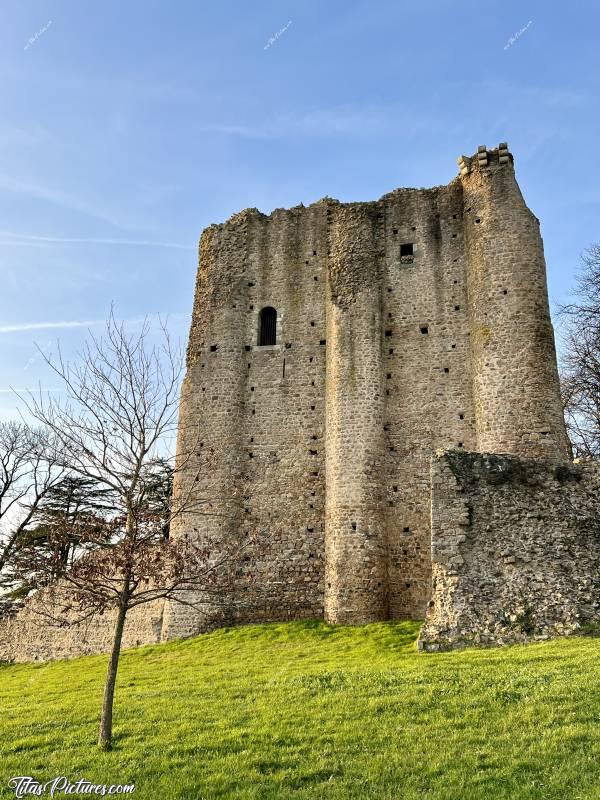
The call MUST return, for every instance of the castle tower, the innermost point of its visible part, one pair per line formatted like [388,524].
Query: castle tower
[333,349]
[515,378]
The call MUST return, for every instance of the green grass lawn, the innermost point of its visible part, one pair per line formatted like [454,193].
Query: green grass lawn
[305,710]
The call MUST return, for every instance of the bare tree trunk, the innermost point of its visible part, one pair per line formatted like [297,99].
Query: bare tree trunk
[105,735]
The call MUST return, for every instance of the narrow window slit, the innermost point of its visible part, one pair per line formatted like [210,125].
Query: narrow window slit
[267,328]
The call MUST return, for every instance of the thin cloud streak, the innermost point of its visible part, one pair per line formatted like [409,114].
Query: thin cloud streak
[64,324]
[40,326]
[25,239]
[58,198]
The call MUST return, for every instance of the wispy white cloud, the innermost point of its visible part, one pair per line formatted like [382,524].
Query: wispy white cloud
[20,239]
[352,122]
[20,327]
[40,326]
[349,121]
[57,197]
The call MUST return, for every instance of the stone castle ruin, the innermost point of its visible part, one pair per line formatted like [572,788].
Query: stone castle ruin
[377,383]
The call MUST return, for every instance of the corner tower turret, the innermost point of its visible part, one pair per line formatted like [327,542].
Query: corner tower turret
[515,379]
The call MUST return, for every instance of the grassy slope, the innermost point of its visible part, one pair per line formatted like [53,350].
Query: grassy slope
[310,711]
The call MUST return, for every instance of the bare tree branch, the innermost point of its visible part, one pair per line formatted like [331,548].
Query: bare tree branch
[115,425]
[580,367]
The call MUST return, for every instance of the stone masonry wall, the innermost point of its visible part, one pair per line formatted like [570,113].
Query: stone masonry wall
[416,322]
[515,549]
[28,636]
[261,412]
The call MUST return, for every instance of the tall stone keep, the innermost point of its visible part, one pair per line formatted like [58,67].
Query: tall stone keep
[333,349]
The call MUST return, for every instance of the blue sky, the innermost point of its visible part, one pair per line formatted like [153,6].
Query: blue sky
[129,126]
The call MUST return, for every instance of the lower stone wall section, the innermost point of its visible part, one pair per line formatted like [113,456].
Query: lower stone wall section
[515,550]
[515,547]
[29,636]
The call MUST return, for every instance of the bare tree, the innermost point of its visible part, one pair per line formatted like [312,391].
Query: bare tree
[29,469]
[580,373]
[117,427]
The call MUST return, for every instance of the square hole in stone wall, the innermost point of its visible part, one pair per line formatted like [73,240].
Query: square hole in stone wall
[406,249]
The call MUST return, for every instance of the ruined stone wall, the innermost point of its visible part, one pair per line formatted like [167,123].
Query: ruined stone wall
[515,549]
[29,636]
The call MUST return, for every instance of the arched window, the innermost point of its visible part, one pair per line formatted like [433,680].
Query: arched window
[267,327]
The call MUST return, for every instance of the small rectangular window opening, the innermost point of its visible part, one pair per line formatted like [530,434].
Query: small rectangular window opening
[406,249]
